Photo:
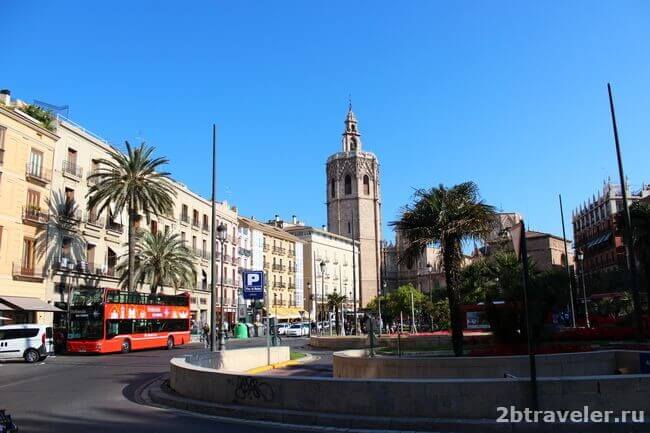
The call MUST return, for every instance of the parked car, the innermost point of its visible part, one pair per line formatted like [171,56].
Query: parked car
[30,341]
[282,328]
[298,330]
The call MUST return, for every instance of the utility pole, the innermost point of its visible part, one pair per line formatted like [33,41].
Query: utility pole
[629,252]
[568,271]
[213,243]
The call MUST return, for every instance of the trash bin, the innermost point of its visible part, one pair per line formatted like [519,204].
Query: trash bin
[241,331]
[251,329]
[644,358]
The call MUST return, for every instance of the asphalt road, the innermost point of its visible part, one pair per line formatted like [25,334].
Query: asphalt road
[91,393]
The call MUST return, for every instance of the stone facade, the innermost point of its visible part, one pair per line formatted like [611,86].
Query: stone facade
[354,204]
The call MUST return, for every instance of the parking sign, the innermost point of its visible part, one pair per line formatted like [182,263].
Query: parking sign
[253,284]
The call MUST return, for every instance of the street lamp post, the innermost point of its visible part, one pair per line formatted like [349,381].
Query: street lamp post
[581,259]
[311,305]
[222,233]
[322,293]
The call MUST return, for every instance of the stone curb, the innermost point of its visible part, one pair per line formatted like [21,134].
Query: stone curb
[282,364]
[157,393]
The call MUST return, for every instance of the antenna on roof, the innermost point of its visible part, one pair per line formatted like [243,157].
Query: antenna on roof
[62,110]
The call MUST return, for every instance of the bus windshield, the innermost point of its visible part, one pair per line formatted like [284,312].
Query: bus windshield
[87,296]
[85,329]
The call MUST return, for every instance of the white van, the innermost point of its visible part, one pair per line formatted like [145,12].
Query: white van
[30,342]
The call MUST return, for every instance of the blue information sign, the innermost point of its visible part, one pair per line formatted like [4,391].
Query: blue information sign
[253,284]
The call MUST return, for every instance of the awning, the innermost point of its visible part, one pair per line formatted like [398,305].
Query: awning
[4,307]
[28,304]
[284,313]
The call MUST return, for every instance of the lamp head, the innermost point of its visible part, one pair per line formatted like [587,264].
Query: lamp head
[222,232]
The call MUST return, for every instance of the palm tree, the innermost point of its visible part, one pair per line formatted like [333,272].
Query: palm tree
[334,302]
[131,181]
[640,215]
[162,260]
[447,217]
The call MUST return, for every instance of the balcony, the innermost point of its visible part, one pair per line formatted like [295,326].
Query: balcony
[69,213]
[265,247]
[279,250]
[266,265]
[279,285]
[22,271]
[233,260]
[37,173]
[90,179]
[70,168]
[34,214]
[184,218]
[93,219]
[205,228]
[114,227]
[196,224]
[67,264]
[280,268]
[226,258]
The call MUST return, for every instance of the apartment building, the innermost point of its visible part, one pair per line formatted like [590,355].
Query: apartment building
[65,246]
[341,270]
[282,268]
[26,155]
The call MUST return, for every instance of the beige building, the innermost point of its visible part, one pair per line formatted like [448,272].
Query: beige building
[26,154]
[354,204]
[282,264]
[76,248]
[547,250]
[341,272]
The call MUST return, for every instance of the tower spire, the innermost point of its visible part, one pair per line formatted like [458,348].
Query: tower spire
[351,136]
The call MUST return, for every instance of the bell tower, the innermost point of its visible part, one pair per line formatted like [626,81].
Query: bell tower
[354,204]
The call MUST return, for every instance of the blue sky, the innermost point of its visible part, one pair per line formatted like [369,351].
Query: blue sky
[511,95]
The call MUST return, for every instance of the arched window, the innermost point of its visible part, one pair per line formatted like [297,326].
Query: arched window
[366,185]
[333,188]
[353,144]
[348,185]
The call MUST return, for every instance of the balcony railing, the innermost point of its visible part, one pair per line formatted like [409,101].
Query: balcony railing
[21,270]
[38,173]
[71,168]
[92,180]
[35,214]
[277,267]
[226,258]
[279,250]
[67,264]
[196,224]
[233,260]
[69,213]
[114,227]
[205,228]
[265,247]
[291,253]
[278,285]
[266,265]
[93,219]
[184,218]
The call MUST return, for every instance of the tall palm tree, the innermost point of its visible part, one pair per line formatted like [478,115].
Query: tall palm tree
[640,215]
[131,181]
[446,217]
[162,260]
[334,302]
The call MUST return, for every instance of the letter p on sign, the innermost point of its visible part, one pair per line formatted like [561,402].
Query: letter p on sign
[253,280]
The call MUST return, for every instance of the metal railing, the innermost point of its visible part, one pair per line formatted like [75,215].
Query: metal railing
[265,247]
[27,270]
[38,172]
[35,214]
[184,218]
[266,265]
[279,250]
[71,167]
[277,267]
[93,219]
[92,180]
[114,227]
[69,212]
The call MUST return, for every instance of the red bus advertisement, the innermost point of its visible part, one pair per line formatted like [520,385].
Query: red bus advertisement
[111,320]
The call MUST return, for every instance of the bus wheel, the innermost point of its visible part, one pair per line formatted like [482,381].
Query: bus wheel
[170,343]
[126,346]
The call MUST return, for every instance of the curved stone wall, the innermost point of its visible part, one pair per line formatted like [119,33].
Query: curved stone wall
[357,364]
[406,398]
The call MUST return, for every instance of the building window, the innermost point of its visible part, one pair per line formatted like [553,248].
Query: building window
[333,188]
[184,216]
[154,227]
[36,163]
[348,185]
[366,185]
[29,248]
[349,227]
[275,299]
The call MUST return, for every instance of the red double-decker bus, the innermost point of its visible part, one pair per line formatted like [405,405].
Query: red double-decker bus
[110,320]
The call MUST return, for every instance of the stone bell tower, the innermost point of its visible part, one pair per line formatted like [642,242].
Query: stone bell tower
[354,205]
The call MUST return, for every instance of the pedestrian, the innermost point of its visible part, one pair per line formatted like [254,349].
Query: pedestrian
[206,335]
